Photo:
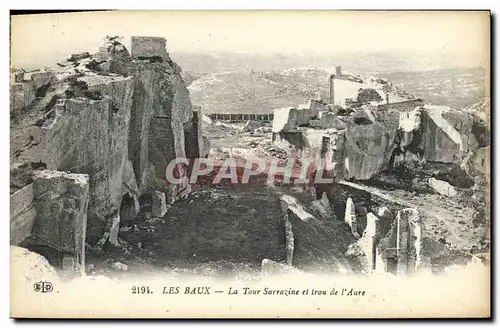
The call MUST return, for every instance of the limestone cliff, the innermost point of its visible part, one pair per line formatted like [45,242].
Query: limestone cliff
[118,118]
[368,149]
[162,112]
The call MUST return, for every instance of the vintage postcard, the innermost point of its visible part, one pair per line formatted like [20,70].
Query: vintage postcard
[250,164]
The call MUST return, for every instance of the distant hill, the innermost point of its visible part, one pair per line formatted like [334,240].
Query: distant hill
[261,92]
[189,77]
[451,87]
[238,92]
[279,80]
[373,63]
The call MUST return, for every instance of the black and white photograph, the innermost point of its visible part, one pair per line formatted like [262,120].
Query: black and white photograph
[250,164]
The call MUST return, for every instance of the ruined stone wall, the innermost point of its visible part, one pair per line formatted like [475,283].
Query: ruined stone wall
[401,251]
[21,95]
[239,117]
[144,46]
[403,106]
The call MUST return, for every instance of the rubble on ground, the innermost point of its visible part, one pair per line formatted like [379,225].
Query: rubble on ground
[442,187]
[250,126]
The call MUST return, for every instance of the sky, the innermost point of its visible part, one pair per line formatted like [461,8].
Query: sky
[464,36]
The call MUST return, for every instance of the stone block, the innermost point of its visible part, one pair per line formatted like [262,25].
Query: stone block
[315,107]
[350,217]
[159,204]
[328,120]
[61,200]
[442,187]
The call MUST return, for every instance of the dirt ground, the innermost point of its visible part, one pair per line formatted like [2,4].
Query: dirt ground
[224,229]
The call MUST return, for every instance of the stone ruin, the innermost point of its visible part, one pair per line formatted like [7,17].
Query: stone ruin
[367,140]
[92,136]
[397,249]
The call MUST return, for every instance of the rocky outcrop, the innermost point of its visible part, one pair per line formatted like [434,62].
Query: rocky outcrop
[119,118]
[162,113]
[368,149]
[447,135]
[61,201]
[373,142]
[442,187]
[113,57]
[22,214]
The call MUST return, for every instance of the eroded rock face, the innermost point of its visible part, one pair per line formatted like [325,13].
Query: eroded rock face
[121,121]
[22,214]
[368,149]
[309,243]
[61,201]
[447,134]
[162,112]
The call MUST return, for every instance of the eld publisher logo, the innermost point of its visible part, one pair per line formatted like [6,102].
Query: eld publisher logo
[43,287]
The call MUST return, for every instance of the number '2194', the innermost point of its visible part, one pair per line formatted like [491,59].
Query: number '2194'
[141,290]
